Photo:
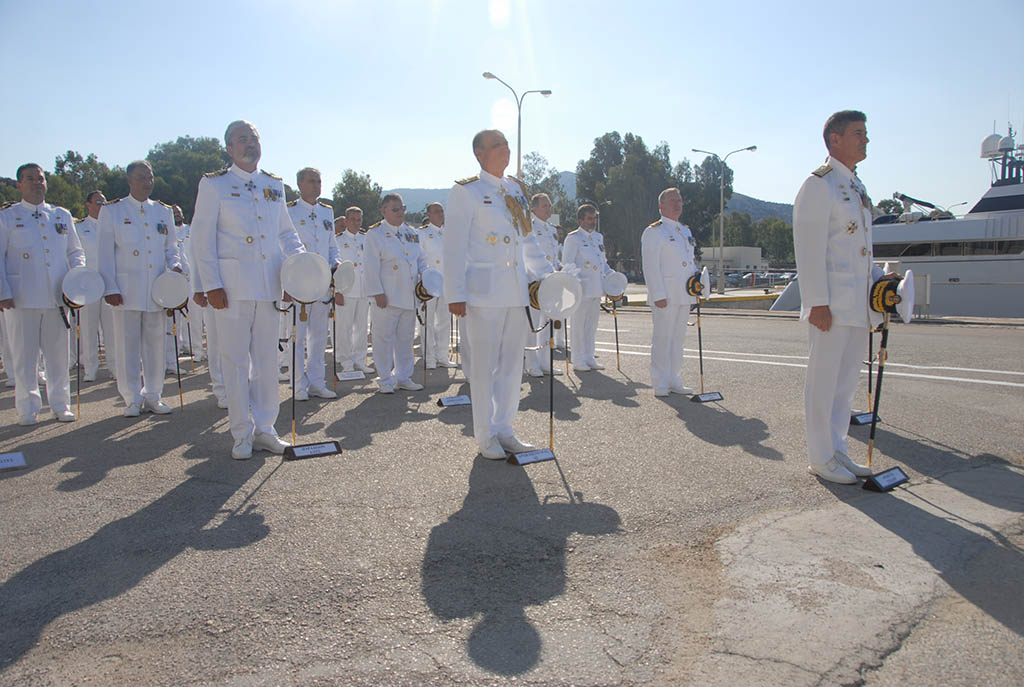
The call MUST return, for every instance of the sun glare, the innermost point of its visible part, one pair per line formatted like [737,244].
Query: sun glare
[499,11]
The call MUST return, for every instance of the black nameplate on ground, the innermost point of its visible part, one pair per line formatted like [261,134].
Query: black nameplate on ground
[706,398]
[302,451]
[862,418]
[535,456]
[453,401]
[886,480]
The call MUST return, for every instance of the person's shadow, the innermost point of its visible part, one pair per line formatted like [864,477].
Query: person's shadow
[712,423]
[124,552]
[502,551]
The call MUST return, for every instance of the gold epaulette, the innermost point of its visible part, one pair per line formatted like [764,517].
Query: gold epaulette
[292,203]
[467,180]
[363,230]
[118,200]
[375,224]
[218,173]
[325,204]
[77,220]
[166,205]
[424,226]
[574,231]
[272,176]
[655,224]
[7,204]
[822,171]
[521,184]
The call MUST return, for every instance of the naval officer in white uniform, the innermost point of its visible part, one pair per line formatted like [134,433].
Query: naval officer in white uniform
[489,249]
[832,238]
[351,316]
[38,245]
[95,316]
[137,243]
[314,221]
[438,320]
[538,359]
[584,248]
[666,252]
[241,233]
[394,262]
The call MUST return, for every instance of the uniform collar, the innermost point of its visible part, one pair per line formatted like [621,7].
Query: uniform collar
[241,173]
[138,203]
[433,227]
[305,204]
[32,207]
[490,178]
[386,225]
[670,222]
[543,221]
[843,170]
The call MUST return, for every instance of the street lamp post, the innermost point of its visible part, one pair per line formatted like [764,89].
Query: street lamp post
[519,123]
[721,210]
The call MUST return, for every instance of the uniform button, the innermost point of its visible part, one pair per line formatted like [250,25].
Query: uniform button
[150,267]
[508,264]
[260,219]
[438,262]
[863,251]
[684,263]
[262,236]
[249,240]
[264,257]
[149,251]
[147,237]
[46,250]
[135,253]
[396,267]
[43,225]
[146,224]
[47,264]
[25,255]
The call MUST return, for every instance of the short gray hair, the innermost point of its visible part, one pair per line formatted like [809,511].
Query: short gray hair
[535,199]
[667,192]
[390,197]
[303,172]
[135,164]
[234,126]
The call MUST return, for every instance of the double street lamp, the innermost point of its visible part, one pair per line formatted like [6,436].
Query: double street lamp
[721,211]
[519,125]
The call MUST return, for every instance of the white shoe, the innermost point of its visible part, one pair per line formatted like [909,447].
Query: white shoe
[283,376]
[833,472]
[157,408]
[554,371]
[363,367]
[513,445]
[89,376]
[322,392]
[431,366]
[581,368]
[262,441]
[64,415]
[447,363]
[386,389]
[493,450]
[594,365]
[680,389]
[301,395]
[222,403]
[347,368]
[855,468]
[661,393]
[535,372]
[27,420]
[172,370]
[131,410]
[242,450]
[200,358]
[409,385]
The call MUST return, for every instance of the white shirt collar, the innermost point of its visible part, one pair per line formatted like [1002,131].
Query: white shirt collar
[434,227]
[305,204]
[490,178]
[32,207]
[137,203]
[386,225]
[241,173]
[840,167]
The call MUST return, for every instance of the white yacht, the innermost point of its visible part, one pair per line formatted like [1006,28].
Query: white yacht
[968,266]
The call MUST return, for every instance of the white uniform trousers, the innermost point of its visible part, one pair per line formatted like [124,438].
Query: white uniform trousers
[212,356]
[195,324]
[352,325]
[174,339]
[5,351]
[833,368]
[537,354]
[438,330]
[393,330]
[284,337]
[89,323]
[497,337]
[28,329]
[108,337]
[141,337]
[584,331]
[667,342]
[248,330]
[310,347]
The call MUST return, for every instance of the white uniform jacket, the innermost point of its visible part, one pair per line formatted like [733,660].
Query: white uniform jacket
[315,225]
[137,243]
[38,245]
[586,250]
[432,244]
[89,236]
[351,248]
[394,262]
[666,251]
[241,233]
[486,259]
[547,238]
[832,238]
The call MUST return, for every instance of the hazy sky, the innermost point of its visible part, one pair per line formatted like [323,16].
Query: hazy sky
[394,88]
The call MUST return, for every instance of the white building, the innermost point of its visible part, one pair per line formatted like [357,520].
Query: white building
[735,258]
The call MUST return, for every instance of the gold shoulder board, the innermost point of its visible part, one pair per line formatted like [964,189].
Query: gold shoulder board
[655,224]
[467,180]
[375,224]
[822,171]
[272,176]
[218,173]
[292,203]
[325,204]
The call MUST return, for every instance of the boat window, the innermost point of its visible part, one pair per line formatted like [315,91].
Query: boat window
[951,248]
[980,248]
[917,250]
[890,250]
[1010,247]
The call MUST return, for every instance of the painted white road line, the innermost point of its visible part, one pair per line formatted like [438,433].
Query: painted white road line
[612,331]
[889,373]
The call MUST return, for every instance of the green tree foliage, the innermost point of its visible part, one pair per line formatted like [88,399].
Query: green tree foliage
[739,229]
[179,165]
[890,206]
[359,190]
[772,235]
[8,190]
[87,174]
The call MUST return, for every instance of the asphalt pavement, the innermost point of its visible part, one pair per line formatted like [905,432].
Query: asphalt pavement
[670,543]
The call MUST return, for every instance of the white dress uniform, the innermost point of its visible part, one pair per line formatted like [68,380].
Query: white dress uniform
[394,262]
[204,319]
[832,238]
[585,250]
[486,259]
[666,251]
[351,319]
[190,323]
[537,355]
[137,244]
[438,320]
[241,234]
[38,245]
[98,316]
[315,225]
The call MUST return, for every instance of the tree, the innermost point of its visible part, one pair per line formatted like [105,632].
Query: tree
[739,229]
[890,206]
[8,190]
[775,237]
[87,174]
[361,191]
[539,178]
[179,165]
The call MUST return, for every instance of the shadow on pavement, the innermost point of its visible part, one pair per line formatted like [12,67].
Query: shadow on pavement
[375,414]
[124,552]
[503,551]
[712,423]
[604,386]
